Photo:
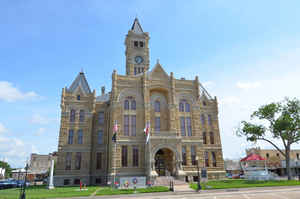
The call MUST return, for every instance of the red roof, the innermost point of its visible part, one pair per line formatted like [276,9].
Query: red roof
[252,157]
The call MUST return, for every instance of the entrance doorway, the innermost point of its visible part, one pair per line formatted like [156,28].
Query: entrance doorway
[164,163]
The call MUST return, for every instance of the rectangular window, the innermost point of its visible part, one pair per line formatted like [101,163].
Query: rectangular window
[133,125]
[183,155]
[214,160]
[212,138]
[99,161]
[141,44]
[209,120]
[136,44]
[189,126]
[182,126]
[72,115]
[204,138]
[101,118]
[193,155]
[68,160]
[80,137]
[135,71]
[124,156]
[78,161]
[126,125]
[135,156]
[76,181]
[70,137]
[81,116]
[100,137]
[157,124]
[206,159]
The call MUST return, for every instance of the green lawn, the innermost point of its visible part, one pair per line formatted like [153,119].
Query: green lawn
[109,191]
[241,183]
[40,192]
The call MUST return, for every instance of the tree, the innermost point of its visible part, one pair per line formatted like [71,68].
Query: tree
[7,168]
[281,121]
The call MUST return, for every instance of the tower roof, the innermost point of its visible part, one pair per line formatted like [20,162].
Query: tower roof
[80,81]
[136,26]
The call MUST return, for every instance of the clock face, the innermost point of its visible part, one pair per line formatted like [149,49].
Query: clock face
[138,59]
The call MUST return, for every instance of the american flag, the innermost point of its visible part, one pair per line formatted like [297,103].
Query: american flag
[147,131]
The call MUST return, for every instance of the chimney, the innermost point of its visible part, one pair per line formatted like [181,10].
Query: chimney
[103,90]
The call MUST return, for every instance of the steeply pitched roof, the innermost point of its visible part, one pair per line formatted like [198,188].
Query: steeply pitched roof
[252,156]
[136,27]
[80,81]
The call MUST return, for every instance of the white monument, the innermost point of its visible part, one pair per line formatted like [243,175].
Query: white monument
[51,186]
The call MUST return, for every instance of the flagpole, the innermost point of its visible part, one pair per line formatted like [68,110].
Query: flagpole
[115,163]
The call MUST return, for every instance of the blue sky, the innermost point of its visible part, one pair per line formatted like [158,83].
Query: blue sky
[245,52]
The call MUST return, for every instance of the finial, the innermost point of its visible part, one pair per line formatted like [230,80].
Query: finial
[81,71]
[157,61]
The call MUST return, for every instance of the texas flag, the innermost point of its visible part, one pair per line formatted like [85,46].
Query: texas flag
[147,131]
[115,130]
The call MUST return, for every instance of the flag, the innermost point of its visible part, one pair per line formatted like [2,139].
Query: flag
[115,130]
[147,131]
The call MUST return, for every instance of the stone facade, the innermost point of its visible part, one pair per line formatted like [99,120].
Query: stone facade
[179,111]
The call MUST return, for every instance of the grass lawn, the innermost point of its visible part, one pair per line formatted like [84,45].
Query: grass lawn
[41,192]
[109,191]
[241,183]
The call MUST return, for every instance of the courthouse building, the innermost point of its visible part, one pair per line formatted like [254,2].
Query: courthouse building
[183,120]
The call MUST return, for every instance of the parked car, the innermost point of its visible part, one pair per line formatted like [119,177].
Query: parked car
[6,184]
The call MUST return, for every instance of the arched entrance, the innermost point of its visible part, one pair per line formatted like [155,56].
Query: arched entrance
[164,162]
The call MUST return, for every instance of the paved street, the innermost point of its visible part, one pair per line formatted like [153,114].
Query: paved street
[257,193]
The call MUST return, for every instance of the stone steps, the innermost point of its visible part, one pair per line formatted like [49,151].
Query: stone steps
[165,181]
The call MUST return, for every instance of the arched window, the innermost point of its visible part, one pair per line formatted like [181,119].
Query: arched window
[78,97]
[81,115]
[157,106]
[209,120]
[72,116]
[133,105]
[187,107]
[204,138]
[211,137]
[202,119]
[80,137]
[126,105]
[181,106]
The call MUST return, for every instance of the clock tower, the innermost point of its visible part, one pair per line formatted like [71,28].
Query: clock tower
[137,49]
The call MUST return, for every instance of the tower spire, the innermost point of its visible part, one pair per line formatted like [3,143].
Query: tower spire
[136,26]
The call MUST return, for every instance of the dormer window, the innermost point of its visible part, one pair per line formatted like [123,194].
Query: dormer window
[136,44]
[141,44]
[78,97]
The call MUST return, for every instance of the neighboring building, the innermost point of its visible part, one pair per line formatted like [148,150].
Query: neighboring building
[276,161]
[37,168]
[233,167]
[183,121]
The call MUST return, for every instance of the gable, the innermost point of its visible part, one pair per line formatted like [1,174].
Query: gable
[158,73]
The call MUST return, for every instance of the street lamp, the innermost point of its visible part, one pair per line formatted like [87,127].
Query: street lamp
[198,172]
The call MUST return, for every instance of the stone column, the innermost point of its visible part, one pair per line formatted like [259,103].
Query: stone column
[51,186]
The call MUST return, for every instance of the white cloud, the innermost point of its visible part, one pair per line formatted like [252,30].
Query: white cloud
[9,93]
[248,85]
[40,131]
[38,119]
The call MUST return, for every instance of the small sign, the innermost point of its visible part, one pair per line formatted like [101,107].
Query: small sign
[134,180]
[131,182]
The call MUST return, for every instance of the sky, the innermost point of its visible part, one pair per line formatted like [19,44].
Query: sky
[245,52]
